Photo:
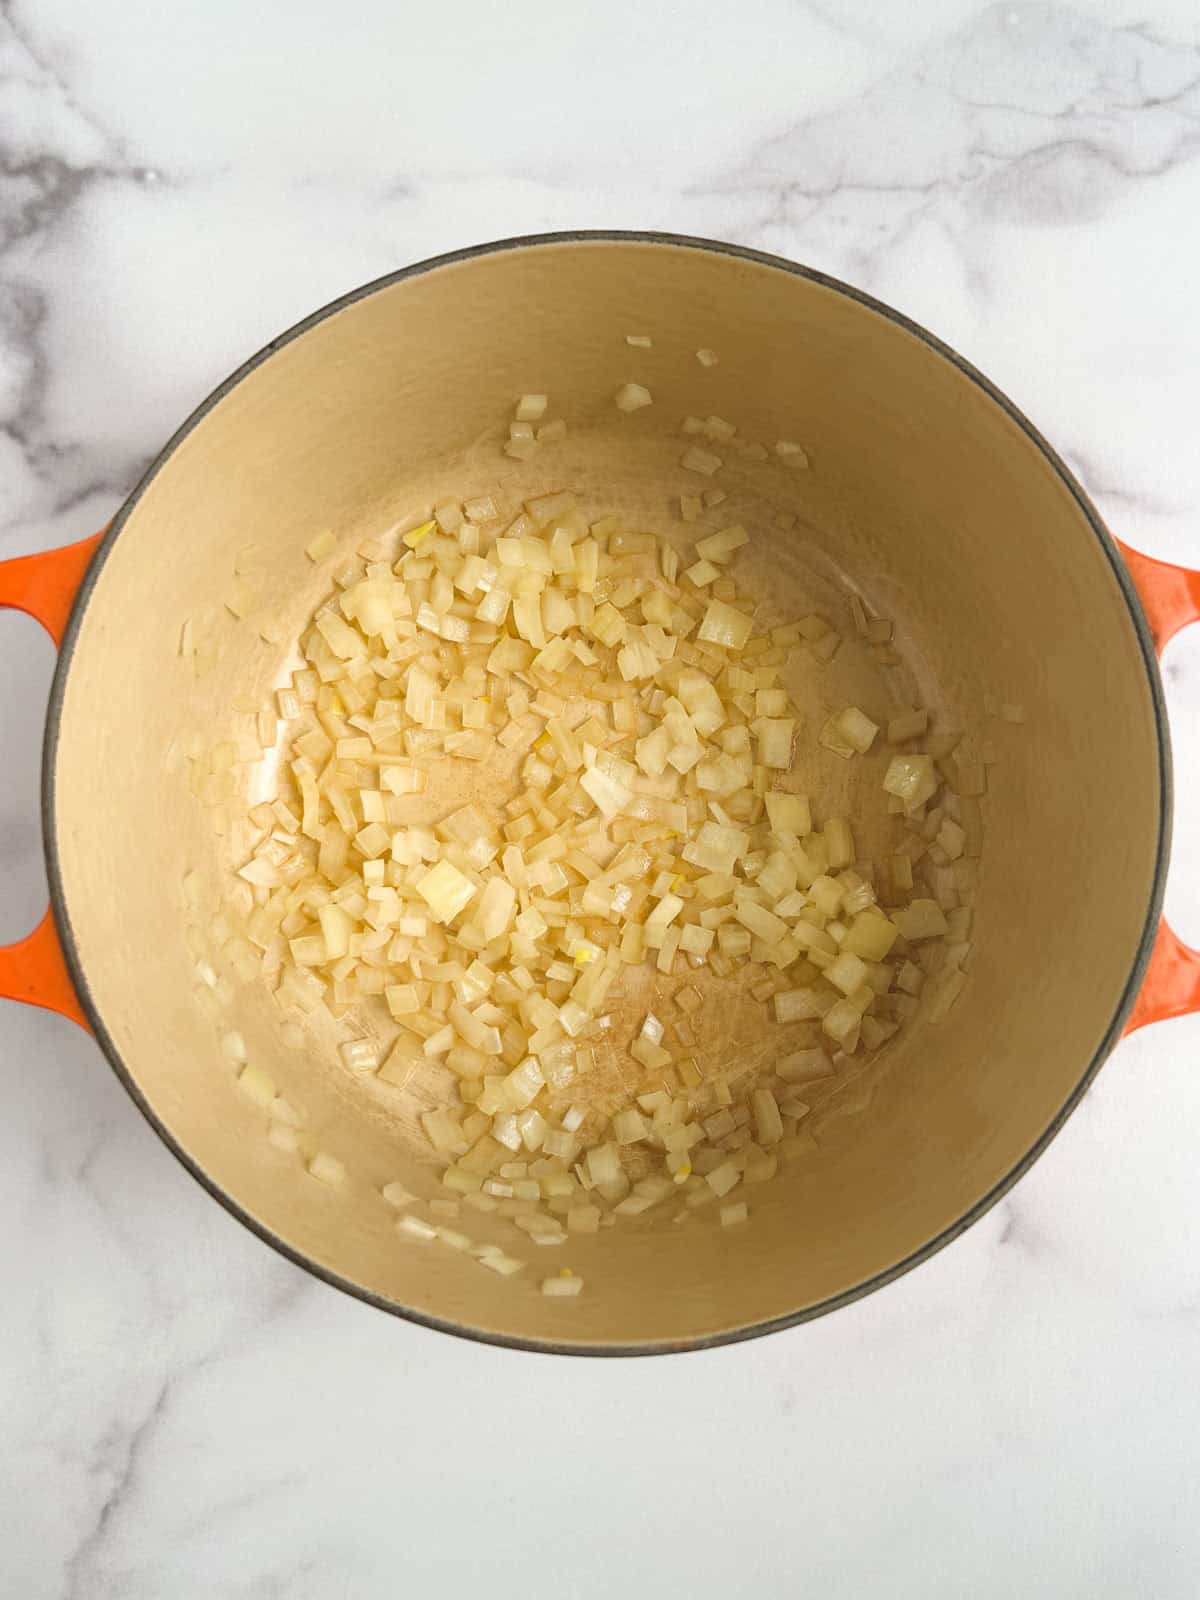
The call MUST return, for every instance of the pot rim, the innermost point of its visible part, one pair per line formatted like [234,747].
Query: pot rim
[1125,1002]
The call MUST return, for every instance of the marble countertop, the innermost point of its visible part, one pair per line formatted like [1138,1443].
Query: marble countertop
[186,1414]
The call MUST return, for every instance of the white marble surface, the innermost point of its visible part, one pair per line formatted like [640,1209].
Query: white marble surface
[185,1414]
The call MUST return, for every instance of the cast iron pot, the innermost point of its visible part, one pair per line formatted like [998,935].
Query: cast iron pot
[928,489]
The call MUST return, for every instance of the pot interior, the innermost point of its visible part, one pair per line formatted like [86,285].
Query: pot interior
[924,496]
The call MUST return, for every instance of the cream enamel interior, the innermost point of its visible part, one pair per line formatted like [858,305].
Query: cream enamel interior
[924,493]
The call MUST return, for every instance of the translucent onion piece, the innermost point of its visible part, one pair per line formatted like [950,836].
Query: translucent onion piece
[632,397]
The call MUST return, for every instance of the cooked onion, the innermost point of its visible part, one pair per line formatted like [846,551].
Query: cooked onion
[632,397]
[651,824]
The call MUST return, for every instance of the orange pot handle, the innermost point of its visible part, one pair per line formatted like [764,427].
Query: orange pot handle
[35,969]
[1170,598]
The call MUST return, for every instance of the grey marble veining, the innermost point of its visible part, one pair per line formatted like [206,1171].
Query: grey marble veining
[185,1413]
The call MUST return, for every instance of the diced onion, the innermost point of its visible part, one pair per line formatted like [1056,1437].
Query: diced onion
[414,1227]
[912,779]
[702,461]
[632,397]
[649,723]
[723,1178]
[791,454]
[724,625]
[720,546]
[257,1085]
[327,1169]
[445,890]
[360,1055]
[564,1286]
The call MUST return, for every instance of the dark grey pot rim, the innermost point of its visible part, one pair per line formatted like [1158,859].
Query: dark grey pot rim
[1121,1011]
